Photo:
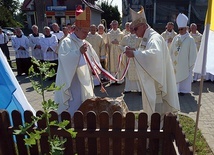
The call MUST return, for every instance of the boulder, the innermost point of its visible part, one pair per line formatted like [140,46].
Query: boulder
[109,105]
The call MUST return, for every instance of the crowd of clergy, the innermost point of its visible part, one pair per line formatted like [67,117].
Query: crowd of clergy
[157,66]
[109,46]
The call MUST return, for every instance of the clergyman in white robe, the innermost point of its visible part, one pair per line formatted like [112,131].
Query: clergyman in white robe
[73,72]
[155,73]
[183,54]
[131,82]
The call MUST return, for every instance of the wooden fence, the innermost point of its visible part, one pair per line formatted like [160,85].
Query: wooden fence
[128,136]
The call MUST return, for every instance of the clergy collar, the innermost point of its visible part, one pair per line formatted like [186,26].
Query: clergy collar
[35,35]
[55,31]
[19,36]
[48,36]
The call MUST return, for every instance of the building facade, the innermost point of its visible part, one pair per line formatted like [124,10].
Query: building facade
[45,12]
[159,12]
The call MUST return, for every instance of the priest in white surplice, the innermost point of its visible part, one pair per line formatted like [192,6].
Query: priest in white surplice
[34,41]
[73,70]
[154,69]
[114,37]
[131,83]
[183,53]
[20,43]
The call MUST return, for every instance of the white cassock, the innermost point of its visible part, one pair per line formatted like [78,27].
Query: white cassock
[33,41]
[114,52]
[132,82]
[73,72]
[156,76]
[183,54]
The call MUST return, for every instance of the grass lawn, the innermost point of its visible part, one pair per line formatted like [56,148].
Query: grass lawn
[188,126]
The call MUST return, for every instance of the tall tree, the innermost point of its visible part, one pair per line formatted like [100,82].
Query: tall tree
[11,5]
[7,10]
[110,12]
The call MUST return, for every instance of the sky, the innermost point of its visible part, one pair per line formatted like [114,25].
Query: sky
[114,2]
[118,3]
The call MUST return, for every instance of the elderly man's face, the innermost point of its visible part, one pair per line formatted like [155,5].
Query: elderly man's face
[47,32]
[55,27]
[193,28]
[100,30]
[18,32]
[35,30]
[93,29]
[128,27]
[182,30]
[169,27]
[114,26]
[81,33]
[140,30]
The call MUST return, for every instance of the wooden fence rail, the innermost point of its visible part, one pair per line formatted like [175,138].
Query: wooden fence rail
[122,136]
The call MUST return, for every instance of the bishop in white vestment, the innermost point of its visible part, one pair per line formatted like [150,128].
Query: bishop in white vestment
[74,72]
[154,69]
[183,54]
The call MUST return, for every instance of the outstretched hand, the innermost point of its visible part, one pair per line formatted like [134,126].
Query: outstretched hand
[129,52]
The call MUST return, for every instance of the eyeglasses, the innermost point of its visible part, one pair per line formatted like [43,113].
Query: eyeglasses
[181,29]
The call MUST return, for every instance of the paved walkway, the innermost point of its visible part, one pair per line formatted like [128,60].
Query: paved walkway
[133,100]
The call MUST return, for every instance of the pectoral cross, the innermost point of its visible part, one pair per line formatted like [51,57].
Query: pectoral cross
[178,48]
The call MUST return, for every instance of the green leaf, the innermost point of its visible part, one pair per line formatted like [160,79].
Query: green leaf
[71,131]
[63,124]
[17,132]
[51,87]
[30,141]
[53,123]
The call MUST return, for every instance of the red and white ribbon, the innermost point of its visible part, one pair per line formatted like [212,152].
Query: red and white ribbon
[97,68]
